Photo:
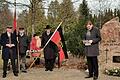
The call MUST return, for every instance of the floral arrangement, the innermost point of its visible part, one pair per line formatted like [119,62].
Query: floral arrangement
[113,72]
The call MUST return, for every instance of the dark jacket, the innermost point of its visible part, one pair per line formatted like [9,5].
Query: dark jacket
[93,49]
[23,44]
[51,49]
[8,53]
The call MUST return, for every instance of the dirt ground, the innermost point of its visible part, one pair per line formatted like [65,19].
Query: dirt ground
[64,73]
[57,74]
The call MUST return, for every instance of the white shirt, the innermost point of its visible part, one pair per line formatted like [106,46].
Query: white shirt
[9,34]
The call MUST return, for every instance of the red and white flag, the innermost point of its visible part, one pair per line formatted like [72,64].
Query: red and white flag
[57,40]
[14,19]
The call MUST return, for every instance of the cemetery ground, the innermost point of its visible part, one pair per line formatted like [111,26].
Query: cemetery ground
[70,71]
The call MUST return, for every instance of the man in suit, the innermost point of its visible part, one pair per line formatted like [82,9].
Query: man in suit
[91,41]
[23,46]
[9,50]
[50,51]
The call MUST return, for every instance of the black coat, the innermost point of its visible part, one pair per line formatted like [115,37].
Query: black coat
[51,50]
[8,53]
[93,49]
[23,44]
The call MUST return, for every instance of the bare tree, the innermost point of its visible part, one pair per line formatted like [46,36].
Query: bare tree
[32,9]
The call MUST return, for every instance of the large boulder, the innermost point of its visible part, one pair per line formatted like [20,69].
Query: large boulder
[111,31]
[110,44]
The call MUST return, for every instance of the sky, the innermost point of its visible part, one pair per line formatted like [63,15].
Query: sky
[46,2]
[92,4]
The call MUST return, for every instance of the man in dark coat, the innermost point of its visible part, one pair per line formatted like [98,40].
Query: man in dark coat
[9,50]
[23,46]
[91,40]
[50,51]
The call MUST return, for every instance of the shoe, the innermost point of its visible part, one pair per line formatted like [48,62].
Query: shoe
[4,75]
[24,71]
[46,69]
[16,74]
[89,77]
[51,70]
[95,78]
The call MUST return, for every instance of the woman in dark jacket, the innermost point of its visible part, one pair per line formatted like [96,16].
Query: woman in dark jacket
[91,41]
[50,51]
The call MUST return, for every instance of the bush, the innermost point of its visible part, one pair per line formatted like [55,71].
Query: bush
[74,39]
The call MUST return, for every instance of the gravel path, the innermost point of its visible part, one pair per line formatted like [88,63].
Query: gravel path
[57,74]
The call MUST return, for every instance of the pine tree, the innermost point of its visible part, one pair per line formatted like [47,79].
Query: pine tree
[40,19]
[115,12]
[74,42]
[53,13]
[118,13]
[95,20]
[84,10]
[108,15]
[68,14]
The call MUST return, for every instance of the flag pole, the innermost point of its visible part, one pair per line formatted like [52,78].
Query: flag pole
[52,35]
[46,43]
[15,28]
